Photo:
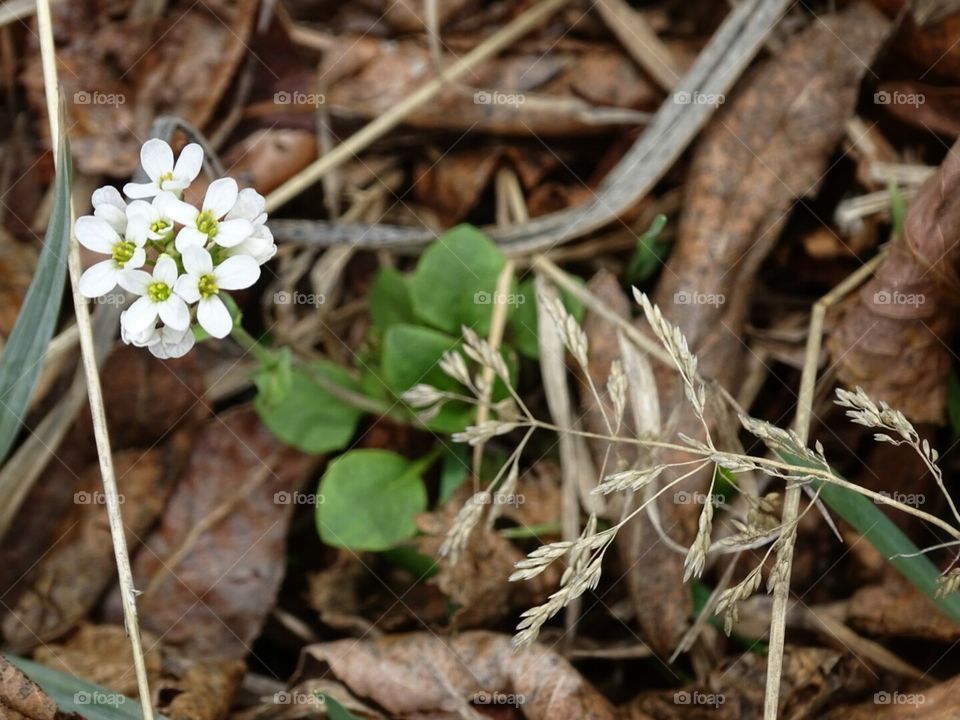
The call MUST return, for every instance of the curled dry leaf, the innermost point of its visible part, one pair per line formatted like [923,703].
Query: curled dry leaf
[660,599]
[22,699]
[67,582]
[897,609]
[940,702]
[892,338]
[119,73]
[211,571]
[420,673]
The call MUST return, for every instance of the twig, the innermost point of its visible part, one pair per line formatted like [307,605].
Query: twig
[641,42]
[94,392]
[791,501]
[377,128]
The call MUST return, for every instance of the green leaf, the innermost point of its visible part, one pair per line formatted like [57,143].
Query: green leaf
[874,525]
[390,301]
[522,324]
[336,711]
[410,356]
[453,471]
[307,416]
[23,357]
[455,280]
[898,208]
[650,252]
[274,379]
[369,498]
[72,694]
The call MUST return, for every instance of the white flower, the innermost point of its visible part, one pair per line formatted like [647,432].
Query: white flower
[158,298]
[150,219]
[172,343]
[144,338]
[203,282]
[156,157]
[126,251]
[252,206]
[108,204]
[208,223]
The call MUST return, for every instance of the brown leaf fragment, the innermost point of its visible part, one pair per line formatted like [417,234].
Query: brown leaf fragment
[940,702]
[421,673]
[891,337]
[211,571]
[66,584]
[205,691]
[897,609]
[20,697]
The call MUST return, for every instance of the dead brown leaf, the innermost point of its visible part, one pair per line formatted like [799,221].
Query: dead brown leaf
[897,609]
[941,702]
[211,571]
[420,674]
[21,698]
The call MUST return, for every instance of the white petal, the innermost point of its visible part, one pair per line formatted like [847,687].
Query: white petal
[173,344]
[233,232]
[107,195]
[138,229]
[96,234]
[98,279]
[137,260]
[177,210]
[115,217]
[140,190]
[166,271]
[156,158]
[174,312]
[237,272]
[188,288]
[140,316]
[140,339]
[135,281]
[189,163]
[188,237]
[221,196]
[214,317]
[250,205]
[197,261]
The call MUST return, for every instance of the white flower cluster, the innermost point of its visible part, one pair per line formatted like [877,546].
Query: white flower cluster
[192,253]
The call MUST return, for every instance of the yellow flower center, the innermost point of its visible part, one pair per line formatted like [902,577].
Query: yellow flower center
[207,224]
[159,227]
[163,178]
[158,291]
[123,252]
[207,286]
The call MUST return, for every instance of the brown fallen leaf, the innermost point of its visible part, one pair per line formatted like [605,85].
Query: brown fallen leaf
[204,692]
[420,673]
[119,73]
[20,697]
[892,336]
[211,571]
[66,584]
[897,609]
[17,261]
[929,108]
[940,702]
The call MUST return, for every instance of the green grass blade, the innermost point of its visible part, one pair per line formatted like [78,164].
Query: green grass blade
[872,523]
[22,359]
[71,694]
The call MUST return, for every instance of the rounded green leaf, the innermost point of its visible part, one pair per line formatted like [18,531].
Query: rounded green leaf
[368,499]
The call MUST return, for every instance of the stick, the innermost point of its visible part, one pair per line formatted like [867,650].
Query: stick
[101,433]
